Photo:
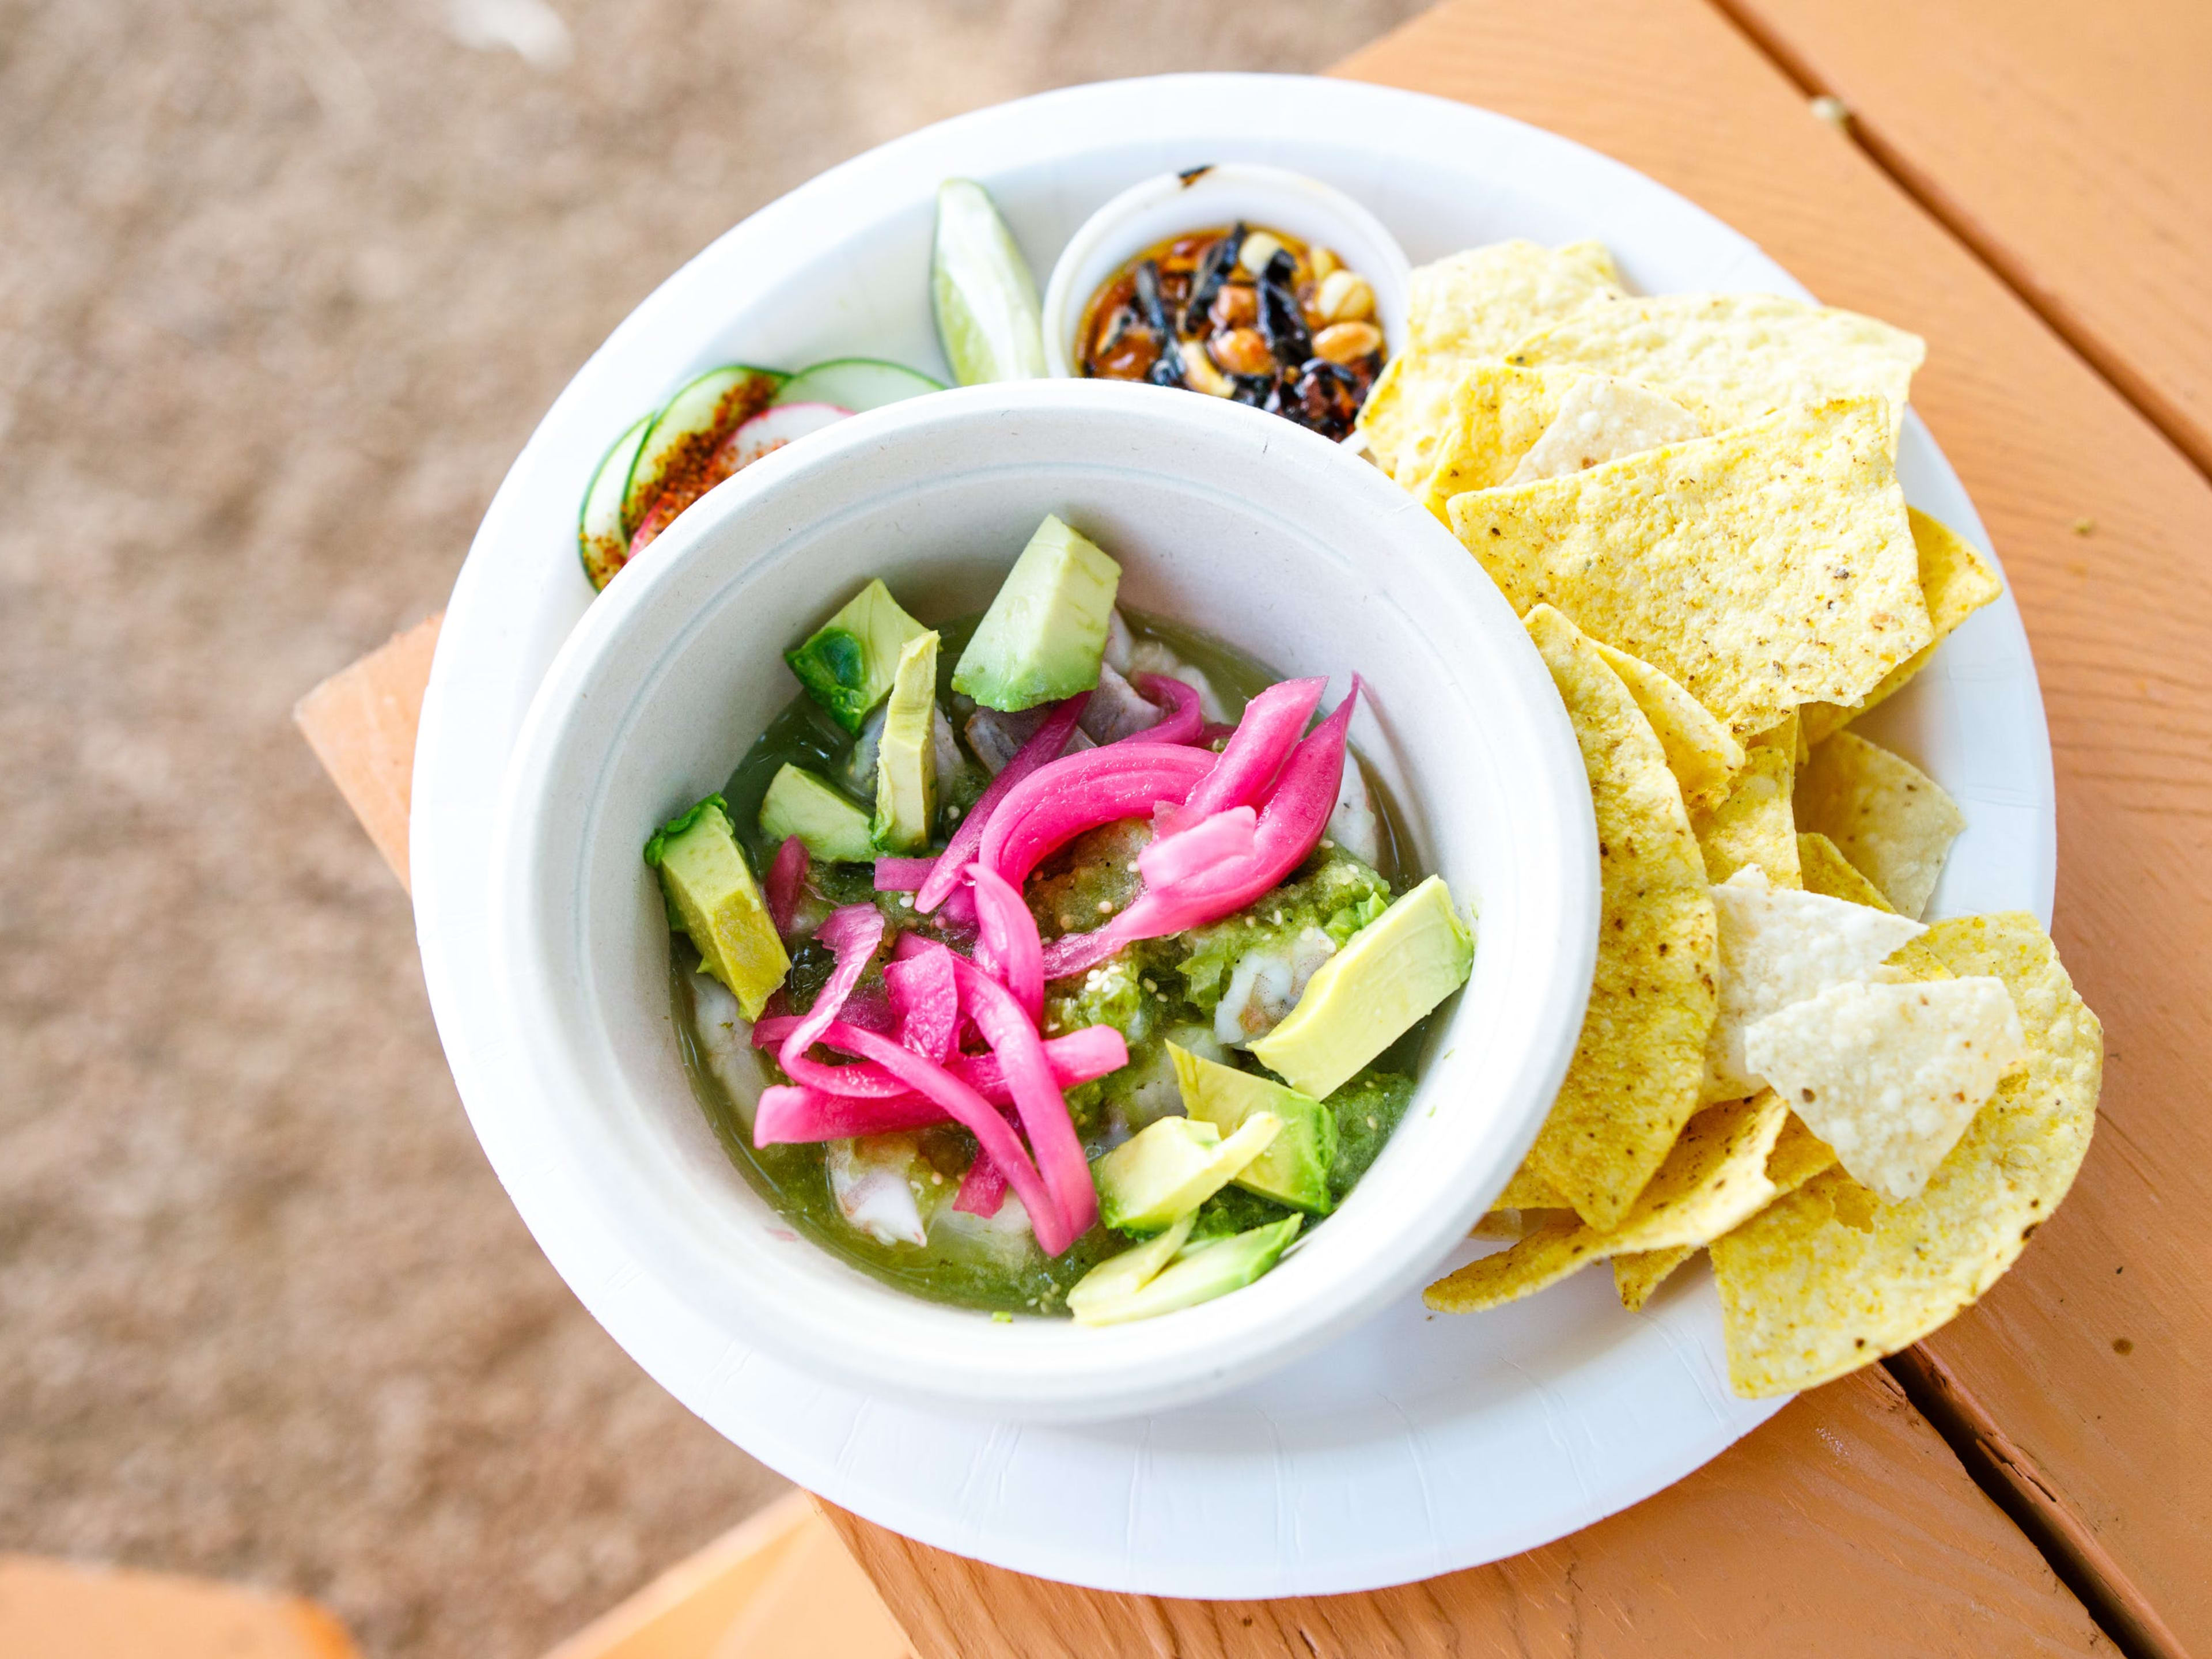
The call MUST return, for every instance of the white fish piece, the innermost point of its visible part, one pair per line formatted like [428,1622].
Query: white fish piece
[870,1180]
[997,737]
[1266,985]
[1117,709]
[725,1038]
[945,748]
[1120,641]
[1353,824]
[860,764]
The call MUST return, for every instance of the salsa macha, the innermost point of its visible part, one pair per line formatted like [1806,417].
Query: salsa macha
[1081,975]
[1255,315]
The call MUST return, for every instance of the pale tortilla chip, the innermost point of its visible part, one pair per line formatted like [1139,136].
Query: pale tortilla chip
[1480,302]
[1762,568]
[1956,581]
[1703,755]
[1403,419]
[1797,1157]
[1890,1075]
[1633,1082]
[1888,818]
[1713,1179]
[1829,1279]
[1494,416]
[1778,946]
[1755,824]
[1601,419]
[1729,358]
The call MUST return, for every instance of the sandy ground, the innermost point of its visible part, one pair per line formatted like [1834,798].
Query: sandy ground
[282,288]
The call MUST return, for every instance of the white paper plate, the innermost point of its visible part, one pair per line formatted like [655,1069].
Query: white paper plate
[1418,1444]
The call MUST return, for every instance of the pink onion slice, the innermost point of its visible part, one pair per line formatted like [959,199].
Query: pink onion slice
[1289,827]
[786,875]
[854,932]
[1256,751]
[902,875]
[1076,1059]
[1183,721]
[1057,803]
[982,1189]
[926,999]
[1206,844]
[1007,946]
[791,1115]
[1055,1229]
[1005,1026]
[1044,745]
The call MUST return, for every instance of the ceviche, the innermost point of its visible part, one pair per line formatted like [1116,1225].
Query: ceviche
[1082,961]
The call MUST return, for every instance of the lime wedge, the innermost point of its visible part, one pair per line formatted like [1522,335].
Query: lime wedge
[986,299]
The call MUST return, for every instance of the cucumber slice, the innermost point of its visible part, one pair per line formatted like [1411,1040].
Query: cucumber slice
[856,383]
[986,300]
[690,426]
[599,536]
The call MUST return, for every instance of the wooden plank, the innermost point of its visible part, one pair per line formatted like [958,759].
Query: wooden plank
[69,1610]
[2086,1354]
[1843,1526]
[2070,145]
[361,724]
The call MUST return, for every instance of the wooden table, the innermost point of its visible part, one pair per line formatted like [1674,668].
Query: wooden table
[2025,183]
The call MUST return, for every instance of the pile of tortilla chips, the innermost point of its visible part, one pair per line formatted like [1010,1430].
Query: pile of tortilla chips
[1692,502]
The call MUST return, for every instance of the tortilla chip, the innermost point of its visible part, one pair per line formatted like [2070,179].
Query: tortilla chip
[1601,419]
[1728,358]
[1403,415]
[1798,1155]
[1477,303]
[1512,1224]
[1701,753]
[1829,873]
[1956,581]
[1755,824]
[1762,568]
[1828,1279]
[1494,416]
[1633,1082]
[1713,1179]
[1778,946]
[1528,1190]
[1890,1075]
[1890,819]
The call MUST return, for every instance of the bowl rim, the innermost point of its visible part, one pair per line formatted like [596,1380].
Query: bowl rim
[1170,1361]
[1104,241]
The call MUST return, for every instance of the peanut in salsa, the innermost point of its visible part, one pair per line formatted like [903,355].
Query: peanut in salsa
[1255,315]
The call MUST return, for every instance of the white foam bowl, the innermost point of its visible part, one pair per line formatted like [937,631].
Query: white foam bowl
[1174,204]
[1233,521]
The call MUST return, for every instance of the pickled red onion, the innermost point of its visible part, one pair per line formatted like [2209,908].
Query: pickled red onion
[785,873]
[1006,1027]
[1007,946]
[1058,802]
[925,998]
[1207,843]
[1044,745]
[1183,721]
[1271,726]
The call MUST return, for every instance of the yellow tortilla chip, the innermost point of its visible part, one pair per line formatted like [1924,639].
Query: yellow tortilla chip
[1712,1180]
[1633,1082]
[1829,873]
[1956,581]
[1798,1155]
[1830,1279]
[1703,755]
[1890,819]
[1729,358]
[1513,1224]
[1761,568]
[1528,1190]
[1403,417]
[1494,416]
[1477,303]
[1755,824]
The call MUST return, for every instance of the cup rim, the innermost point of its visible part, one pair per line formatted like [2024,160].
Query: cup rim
[1103,1373]
[1110,236]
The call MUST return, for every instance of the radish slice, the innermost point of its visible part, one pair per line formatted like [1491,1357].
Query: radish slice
[1058,802]
[1006,1027]
[1192,852]
[1184,722]
[1044,745]
[785,876]
[771,429]
[1007,946]
[1289,827]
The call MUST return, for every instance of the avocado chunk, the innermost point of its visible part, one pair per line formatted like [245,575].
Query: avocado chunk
[1045,633]
[1294,1169]
[1371,993]
[711,890]
[849,663]
[800,803]
[906,754]
[1120,1276]
[1200,1271]
[1165,1172]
